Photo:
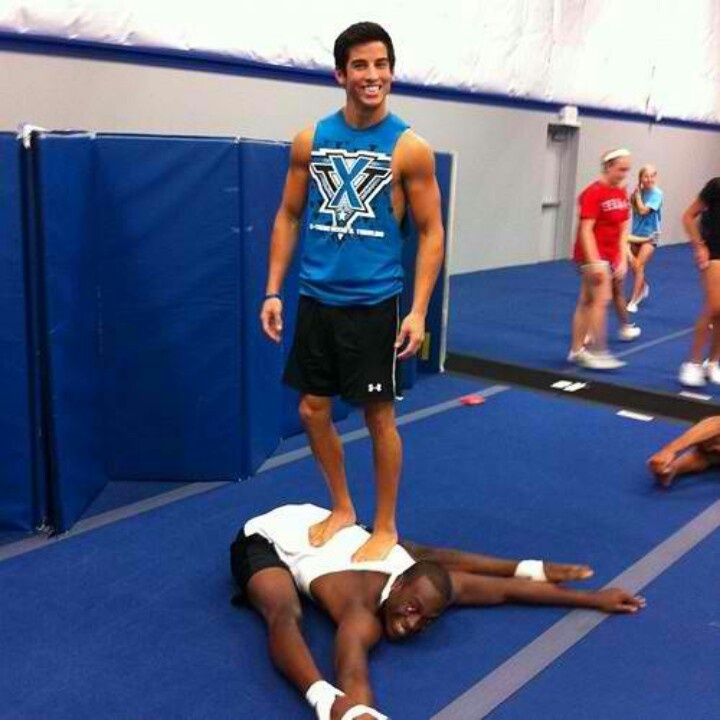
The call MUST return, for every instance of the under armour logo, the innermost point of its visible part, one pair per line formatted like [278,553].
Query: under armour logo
[375,388]
[348,183]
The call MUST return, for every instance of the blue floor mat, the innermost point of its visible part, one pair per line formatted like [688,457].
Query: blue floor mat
[428,390]
[661,666]
[522,315]
[136,621]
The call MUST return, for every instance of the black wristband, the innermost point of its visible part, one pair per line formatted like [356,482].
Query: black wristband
[272,296]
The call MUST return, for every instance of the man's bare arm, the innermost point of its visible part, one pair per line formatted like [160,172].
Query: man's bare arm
[417,165]
[357,633]
[477,590]
[462,561]
[286,230]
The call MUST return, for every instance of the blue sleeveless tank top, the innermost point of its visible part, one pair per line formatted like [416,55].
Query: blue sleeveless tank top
[352,243]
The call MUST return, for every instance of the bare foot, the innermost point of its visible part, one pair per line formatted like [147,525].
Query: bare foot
[324,531]
[665,479]
[377,547]
[559,572]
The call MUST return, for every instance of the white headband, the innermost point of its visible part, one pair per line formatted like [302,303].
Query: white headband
[615,154]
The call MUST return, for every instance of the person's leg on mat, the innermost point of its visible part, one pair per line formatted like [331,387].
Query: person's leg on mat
[272,593]
[327,449]
[643,253]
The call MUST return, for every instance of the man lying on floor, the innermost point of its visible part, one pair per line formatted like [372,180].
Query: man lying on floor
[398,597]
[694,451]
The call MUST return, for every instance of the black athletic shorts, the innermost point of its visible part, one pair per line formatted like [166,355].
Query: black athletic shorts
[250,555]
[347,351]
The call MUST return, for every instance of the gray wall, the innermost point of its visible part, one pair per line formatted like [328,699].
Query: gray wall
[500,151]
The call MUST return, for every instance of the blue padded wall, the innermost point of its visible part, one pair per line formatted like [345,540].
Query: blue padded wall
[431,360]
[262,168]
[168,217]
[17,507]
[70,282]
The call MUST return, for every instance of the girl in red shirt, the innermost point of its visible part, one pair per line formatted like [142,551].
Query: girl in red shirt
[601,254]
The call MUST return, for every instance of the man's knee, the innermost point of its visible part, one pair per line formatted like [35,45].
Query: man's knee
[380,418]
[283,615]
[315,410]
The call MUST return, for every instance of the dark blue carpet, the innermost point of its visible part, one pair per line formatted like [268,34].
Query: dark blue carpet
[522,315]
[135,621]
[661,666]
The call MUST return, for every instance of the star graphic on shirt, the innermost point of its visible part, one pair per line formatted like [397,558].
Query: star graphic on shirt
[342,215]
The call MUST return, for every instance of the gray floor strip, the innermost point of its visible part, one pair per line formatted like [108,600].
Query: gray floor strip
[652,343]
[38,542]
[503,682]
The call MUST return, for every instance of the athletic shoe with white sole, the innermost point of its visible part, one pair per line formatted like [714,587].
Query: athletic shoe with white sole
[629,332]
[632,307]
[574,355]
[603,360]
[692,375]
[712,372]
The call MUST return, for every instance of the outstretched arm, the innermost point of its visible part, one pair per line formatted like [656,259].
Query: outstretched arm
[475,563]
[462,561]
[358,632]
[476,590]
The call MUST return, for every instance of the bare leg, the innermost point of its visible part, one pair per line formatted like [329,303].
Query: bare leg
[316,415]
[273,594]
[700,338]
[643,253]
[618,293]
[600,294]
[712,291]
[387,455]
[581,319]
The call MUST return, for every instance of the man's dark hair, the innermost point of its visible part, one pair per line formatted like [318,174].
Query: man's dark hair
[359,34]
[435,573]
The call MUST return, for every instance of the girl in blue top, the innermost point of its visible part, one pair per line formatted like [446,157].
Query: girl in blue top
[647,201]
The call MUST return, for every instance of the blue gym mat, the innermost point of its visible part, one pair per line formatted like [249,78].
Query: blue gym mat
[428,390]
[661,666]
[139,610]
[522,315]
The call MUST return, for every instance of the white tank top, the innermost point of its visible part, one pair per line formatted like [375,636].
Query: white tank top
[287,529]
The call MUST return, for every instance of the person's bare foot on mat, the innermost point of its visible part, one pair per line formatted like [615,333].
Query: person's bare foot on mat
[324,531]
[562,572]
[377,547]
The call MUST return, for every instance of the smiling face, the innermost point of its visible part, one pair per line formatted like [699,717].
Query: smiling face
[411,607]
[648,177]
[367,76]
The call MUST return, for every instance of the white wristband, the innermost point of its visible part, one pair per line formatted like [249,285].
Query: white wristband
[321,696]
[359,710]
[531,570]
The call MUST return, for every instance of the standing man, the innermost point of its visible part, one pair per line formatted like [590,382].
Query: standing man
[353,178]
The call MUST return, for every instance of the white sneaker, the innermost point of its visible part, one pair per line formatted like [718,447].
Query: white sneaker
[603,360]
[632,307]
[574,355]
[629,332]
[712,372]
[692,375]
